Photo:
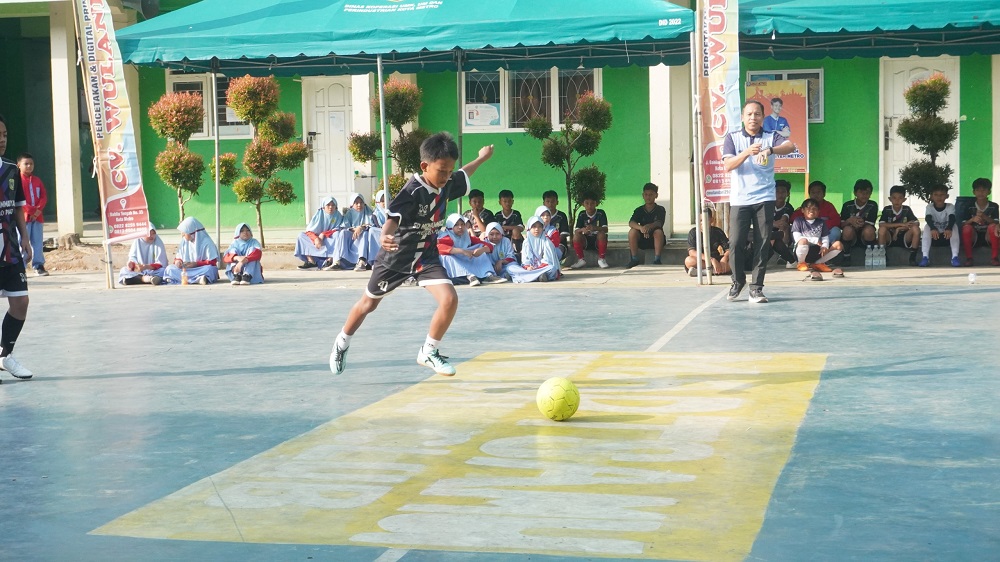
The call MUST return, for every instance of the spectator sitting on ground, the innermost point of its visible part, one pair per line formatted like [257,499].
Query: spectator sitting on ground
[539,261]
[242,258]
[197,256]
[980,226]
[559,220]
[940,227]
[817,192]
[591,233]
[509,219]
[812,240]
[898,226]
[315,246]
[781,233]
[646,227]
[718,250]
[478,216]
[502,255]
[354,246]
[147,259]
[464,256]
[858,218]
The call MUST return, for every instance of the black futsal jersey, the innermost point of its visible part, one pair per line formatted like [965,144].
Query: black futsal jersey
[421,211]
[11,201]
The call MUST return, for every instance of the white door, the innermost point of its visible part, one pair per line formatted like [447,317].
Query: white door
[898,75]
[327,126]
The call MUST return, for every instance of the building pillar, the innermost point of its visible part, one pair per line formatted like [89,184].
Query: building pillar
[66,119]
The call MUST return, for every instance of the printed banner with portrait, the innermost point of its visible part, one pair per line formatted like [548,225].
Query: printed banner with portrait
[786,112]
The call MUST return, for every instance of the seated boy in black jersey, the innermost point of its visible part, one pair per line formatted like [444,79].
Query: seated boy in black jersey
[718,250]
[510,220]
[558,219]
[478,215]
[781,234]
[898,226]
[857,217]
[591,233]
[409,248]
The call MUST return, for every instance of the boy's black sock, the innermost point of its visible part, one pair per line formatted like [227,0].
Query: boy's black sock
[9,331]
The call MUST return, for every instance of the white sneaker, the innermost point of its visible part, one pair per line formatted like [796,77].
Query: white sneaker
[602,263]
[791,265]
[435,361]
[474,281]
[338,359]
[11,365]
[580,264]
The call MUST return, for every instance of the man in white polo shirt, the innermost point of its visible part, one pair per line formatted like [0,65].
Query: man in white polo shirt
[747,156]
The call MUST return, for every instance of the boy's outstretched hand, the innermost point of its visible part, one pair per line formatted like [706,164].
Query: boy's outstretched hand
[486,152]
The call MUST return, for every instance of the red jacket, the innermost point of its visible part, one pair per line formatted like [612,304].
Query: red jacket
[445,244]
[35,197]
[826,211]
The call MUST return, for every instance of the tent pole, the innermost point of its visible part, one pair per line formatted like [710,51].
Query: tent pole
[702,235]
[382,133]
[458,97]
[215,129]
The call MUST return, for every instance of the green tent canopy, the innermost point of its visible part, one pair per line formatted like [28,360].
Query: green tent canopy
[309,37]
[809,29]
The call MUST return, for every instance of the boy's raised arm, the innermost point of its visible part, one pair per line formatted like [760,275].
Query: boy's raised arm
[485,153]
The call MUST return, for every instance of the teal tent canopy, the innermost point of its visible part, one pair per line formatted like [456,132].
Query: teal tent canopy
[808,29]
[308,37]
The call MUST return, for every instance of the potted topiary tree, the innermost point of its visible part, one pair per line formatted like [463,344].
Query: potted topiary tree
[579,137]
[175,117]
[402,105]
[929,133]
[255,100]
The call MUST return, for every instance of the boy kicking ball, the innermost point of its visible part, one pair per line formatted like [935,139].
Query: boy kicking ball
[409,248]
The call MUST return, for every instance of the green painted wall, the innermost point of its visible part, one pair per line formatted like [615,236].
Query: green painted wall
[517,165]
[847,145]
[163,200]
[976,132]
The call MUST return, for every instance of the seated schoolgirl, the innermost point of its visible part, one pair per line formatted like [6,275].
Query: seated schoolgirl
[550,230]
[354,245]
[197,256]
[463,256]
[315,246]
[502,255]
[538,256]
[147,258]
[243,258]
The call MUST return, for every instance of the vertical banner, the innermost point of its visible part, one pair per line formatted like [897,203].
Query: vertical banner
[786,111]
[124,207]
[718,89]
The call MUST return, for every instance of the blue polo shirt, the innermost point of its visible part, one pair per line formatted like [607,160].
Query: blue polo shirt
[751,183]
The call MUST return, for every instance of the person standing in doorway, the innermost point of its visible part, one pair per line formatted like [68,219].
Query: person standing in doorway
[747,156]
[13,281]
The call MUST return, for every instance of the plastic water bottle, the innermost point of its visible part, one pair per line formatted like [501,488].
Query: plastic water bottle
[881,257]
[869,257]
[184,276]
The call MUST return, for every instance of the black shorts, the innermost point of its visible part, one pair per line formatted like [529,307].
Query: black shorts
[980,238]
[13,281]
[591,243]
[384,281]
[648,243]
[899,239]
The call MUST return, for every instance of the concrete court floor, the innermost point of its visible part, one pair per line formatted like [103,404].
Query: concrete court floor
[852,419]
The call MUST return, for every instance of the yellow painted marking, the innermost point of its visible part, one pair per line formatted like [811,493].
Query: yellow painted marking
[670,456]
